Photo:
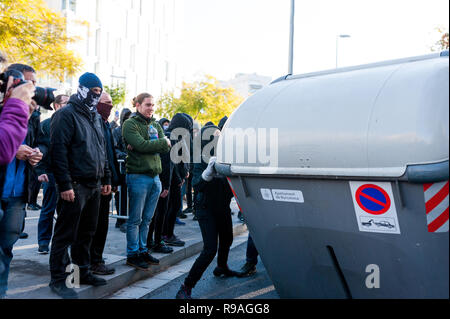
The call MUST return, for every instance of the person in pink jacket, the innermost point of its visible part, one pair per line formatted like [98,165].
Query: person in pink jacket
[14,121]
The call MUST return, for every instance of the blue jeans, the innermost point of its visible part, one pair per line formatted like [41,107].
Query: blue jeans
[143,192]
[45,225]
[10,229]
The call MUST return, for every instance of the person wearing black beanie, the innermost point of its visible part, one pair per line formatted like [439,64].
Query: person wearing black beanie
[80,166]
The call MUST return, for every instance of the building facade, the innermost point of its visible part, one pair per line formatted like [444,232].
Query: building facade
[130,42]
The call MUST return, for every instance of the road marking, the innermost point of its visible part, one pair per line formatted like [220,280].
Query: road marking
[257,293]
[25,247]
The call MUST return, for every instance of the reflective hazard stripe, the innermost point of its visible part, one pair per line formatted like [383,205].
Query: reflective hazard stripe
[437,206]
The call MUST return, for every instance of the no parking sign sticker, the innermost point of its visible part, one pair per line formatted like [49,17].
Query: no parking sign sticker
[375,207]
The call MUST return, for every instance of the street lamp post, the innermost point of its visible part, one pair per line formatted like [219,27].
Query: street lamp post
[337,41]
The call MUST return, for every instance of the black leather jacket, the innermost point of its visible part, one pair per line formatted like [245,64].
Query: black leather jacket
[77,147]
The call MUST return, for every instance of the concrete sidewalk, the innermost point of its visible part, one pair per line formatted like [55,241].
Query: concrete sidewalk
[30,275]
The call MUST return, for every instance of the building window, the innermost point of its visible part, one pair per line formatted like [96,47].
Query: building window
[63,4]
[73,5]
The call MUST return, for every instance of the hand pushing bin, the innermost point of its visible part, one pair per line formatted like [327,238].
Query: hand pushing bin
[342,177]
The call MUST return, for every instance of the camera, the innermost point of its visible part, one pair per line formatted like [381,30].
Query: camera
[43,96]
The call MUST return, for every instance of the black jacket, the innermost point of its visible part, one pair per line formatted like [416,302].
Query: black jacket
[214,196]
[77,147]
[121,148]
[44,145]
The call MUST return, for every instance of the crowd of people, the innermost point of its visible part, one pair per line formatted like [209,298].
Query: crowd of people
[82,159]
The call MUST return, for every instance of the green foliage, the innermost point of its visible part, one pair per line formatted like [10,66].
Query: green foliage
[32,33]
[118,94]
[204,100]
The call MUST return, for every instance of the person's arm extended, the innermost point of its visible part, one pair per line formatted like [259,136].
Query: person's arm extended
[13,128]
[138,143]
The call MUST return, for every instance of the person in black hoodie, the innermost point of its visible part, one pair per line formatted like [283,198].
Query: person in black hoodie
[213,197]
[80,166]
[120,197]
[179,174]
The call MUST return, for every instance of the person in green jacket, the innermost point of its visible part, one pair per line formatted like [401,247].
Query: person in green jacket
[145,139]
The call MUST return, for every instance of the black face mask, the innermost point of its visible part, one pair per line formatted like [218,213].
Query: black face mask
[88,98]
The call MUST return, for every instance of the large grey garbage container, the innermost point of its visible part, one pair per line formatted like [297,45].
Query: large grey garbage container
[348,196]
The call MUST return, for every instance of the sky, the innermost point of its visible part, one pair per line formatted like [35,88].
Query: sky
[225,37]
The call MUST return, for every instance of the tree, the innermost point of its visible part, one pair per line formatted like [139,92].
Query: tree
[117,93]
[32,33]
[204,100]
[442,43]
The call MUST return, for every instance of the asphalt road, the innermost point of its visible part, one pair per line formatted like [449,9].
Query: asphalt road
[257,286]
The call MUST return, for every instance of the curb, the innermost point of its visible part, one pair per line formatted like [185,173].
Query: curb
[126,275]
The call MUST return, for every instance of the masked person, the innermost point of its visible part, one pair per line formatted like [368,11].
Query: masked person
[98,265]
[120,196]
[213,197]
[80,166]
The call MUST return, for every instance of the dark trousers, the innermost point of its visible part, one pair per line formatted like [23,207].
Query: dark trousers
[217,230]
[99,240]
[252,253]
[36,187]
[172,210]
[157,223]
[75,228]
[45,224]
[123,209]
[189,201]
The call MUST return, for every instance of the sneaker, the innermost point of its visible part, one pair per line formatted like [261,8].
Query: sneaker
[63,291]
[123,228]
[43,249]
[137,262]
[187,211]
[102,269]
[225,272]
[182,216]
[92,280]
[173,241]
[184,293]
[149,259]
[247,270]
[179,222]
[240,216]
[162,248]
[33,207]
[23,235]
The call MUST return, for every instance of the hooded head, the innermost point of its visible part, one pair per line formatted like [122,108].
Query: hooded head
[222,122]
[164,123]
[210,135]
[89,90]
[105,106]
[180,120]
[124,115]
[210,123]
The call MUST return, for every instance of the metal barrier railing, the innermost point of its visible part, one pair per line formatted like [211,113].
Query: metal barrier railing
[118,214]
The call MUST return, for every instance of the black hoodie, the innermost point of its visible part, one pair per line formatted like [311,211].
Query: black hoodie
[214,196]
[119,145]
[171,172]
